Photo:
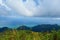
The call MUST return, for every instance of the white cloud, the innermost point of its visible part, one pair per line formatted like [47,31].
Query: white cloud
[3,4]
[45,8]
[19,7]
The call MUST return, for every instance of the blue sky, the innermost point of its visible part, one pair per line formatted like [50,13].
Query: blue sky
[29,12]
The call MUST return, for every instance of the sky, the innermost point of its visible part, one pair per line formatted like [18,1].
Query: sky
[29,12]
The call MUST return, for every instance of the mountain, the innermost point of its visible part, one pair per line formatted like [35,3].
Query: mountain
[40,28]
[23,27]
[4,29]
[45,27]
[37,28]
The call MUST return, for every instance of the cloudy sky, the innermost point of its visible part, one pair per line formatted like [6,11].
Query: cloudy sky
[30,12]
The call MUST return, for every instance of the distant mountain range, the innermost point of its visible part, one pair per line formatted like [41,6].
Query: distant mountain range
[23,27]
[4,29]
[37,28]
[45,27]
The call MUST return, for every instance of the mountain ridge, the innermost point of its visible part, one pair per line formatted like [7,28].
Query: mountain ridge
[37,28]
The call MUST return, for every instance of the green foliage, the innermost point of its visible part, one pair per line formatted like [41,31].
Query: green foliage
[29,35]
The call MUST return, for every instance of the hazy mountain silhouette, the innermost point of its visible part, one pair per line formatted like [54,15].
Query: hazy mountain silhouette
[23,27]
[45,27]
[37,28]
[4,29]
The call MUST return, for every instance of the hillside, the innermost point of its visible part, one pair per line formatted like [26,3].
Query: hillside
[38,32]
[37,28]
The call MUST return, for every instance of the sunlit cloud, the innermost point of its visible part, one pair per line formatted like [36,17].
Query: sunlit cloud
[18,6]
[39,8]
[3,4]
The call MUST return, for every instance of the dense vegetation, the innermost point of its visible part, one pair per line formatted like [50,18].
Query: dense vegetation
[29,35]
[50,32]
